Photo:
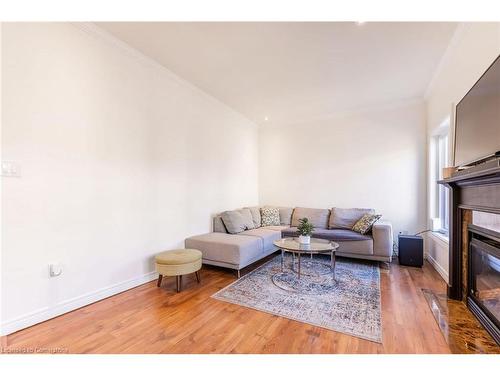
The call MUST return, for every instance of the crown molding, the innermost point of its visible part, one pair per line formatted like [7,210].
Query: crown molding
[386,106]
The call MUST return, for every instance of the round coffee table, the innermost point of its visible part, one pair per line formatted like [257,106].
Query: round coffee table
[317,246]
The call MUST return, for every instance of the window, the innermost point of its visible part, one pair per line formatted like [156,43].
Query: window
[442,198]
[439,158]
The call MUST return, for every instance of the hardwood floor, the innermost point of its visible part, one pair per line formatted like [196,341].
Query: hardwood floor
[148,319]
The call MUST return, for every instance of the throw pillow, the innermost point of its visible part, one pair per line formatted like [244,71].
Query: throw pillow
[255,211]
[364,225]
[285,215]
[237,221]
[270,216]
[247,218]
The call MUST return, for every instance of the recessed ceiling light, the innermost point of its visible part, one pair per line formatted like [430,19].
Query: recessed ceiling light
[266,118]
[360,22]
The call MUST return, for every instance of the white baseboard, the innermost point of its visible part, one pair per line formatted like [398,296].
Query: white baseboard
[63,307]
[442,272]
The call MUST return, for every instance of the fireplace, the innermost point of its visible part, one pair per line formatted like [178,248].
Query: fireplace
[483,296]
[474,264]
[485,278]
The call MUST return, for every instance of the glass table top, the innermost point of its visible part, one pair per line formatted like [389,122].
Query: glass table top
[316,245]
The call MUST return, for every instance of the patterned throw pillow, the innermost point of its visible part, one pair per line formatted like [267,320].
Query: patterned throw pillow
[270,216]
[364,225]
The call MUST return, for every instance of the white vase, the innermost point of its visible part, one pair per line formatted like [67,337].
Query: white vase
[305,240]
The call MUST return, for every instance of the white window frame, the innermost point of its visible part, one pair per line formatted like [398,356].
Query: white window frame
[442,198]
[440,158]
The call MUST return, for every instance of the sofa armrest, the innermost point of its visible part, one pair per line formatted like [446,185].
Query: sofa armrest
[382,238]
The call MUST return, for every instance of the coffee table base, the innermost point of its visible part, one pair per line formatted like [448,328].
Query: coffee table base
[332,262]
[315,278]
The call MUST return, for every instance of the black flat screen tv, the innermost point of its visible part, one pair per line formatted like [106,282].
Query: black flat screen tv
[477,119]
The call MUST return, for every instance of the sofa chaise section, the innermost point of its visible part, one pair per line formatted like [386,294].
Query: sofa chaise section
[235,251]
[227,250]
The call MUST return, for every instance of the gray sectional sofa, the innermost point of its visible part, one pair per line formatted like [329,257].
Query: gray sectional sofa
[237,251]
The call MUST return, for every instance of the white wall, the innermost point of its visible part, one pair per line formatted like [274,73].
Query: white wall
[472,49]
[436,252]
[371,158]
[120,159]
[1,210]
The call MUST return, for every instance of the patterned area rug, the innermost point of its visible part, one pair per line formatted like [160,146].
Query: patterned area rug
[349,304]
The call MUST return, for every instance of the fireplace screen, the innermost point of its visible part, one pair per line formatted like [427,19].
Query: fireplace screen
[485,276]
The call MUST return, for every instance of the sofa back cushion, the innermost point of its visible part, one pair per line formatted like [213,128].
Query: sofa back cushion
[317,216]
[237,221]
[286,215]
[255,212]
[218,225]
[345,218]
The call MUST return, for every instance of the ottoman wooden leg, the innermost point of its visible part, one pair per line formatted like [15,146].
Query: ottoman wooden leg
[197,276]
[179,282]
[159,280]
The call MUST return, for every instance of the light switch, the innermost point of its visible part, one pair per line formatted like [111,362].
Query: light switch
[11,168]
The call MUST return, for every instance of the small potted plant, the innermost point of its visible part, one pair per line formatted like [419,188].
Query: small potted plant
[305,230]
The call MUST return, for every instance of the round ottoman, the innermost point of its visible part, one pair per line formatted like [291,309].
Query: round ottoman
[177,263]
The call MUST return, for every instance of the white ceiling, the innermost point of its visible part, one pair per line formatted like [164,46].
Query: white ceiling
[295,71]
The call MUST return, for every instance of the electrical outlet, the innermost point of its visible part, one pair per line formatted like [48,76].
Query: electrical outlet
[11,169]
[55,269]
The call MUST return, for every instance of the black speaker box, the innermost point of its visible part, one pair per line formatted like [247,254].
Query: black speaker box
[411,250]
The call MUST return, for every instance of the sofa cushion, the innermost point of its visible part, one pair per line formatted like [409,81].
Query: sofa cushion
[340,235]
[270,216]
[233,249]
[238,220]
[345,218]
[317,216]
[277,228]
[364,225]
[218,224]
[330,234]
[289,232]
[285,215]
[255,212]
[266,235]
[355,247]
